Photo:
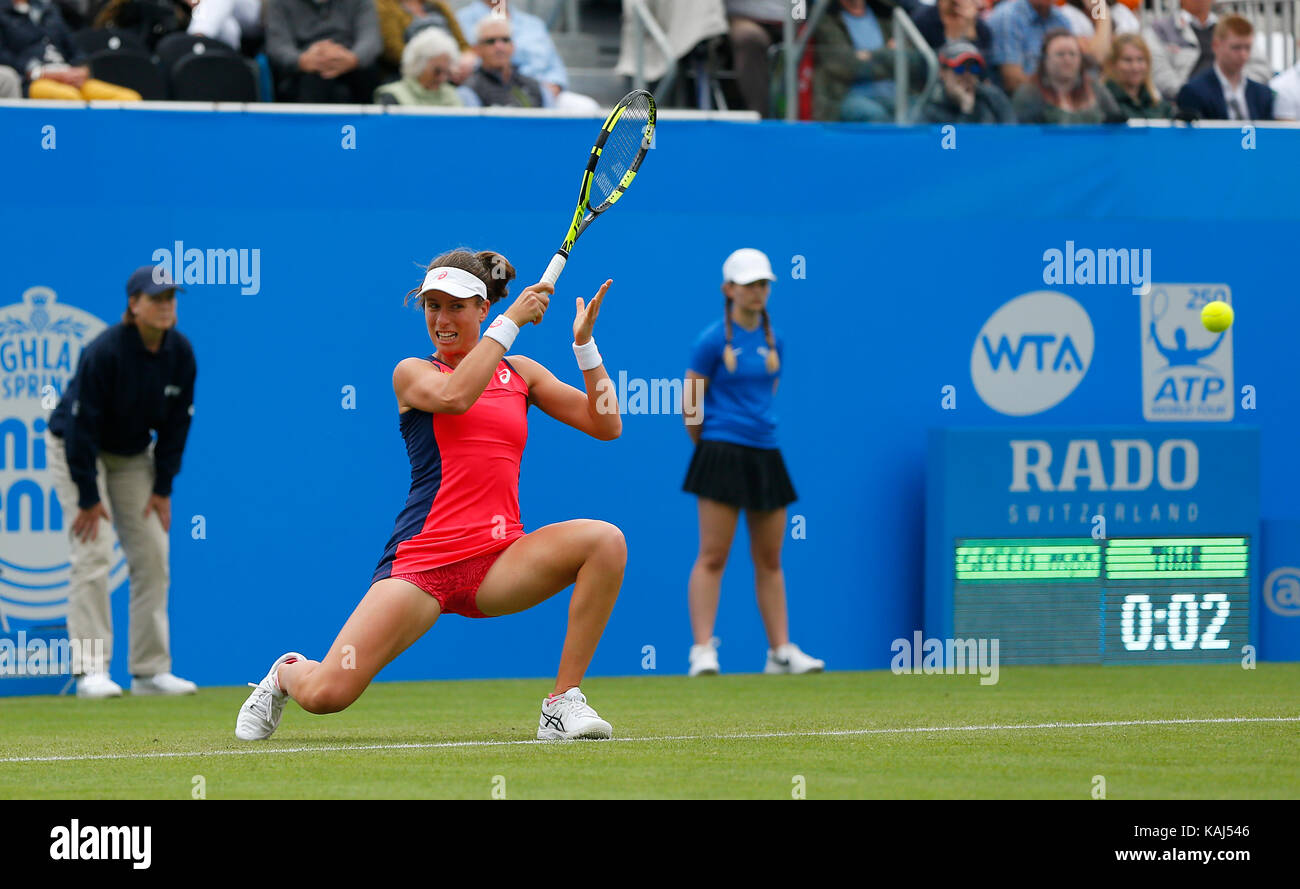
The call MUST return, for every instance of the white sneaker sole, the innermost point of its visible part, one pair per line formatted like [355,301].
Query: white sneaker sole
[97,696]
[595,733]
[155,691]
[704,671]
[777,670]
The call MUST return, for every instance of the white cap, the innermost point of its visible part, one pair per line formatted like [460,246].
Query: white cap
[746,266]
[456,282]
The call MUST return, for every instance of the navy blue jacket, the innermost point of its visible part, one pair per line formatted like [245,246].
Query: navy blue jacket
[119,394]
[24,43]
[1203,97]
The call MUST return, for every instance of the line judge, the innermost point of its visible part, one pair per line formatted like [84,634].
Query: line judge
[134,380]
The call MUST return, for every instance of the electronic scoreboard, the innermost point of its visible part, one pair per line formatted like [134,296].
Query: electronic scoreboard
[1094,544]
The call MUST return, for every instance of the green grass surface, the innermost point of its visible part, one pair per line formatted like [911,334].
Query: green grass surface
[1234,760]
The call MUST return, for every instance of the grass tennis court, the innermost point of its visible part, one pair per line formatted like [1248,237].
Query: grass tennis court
[850,735]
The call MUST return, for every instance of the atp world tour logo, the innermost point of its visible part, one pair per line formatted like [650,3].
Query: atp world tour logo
[40,342]
[1186,369]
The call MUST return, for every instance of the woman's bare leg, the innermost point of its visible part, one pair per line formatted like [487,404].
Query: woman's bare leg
[717,528]
[766,534]
[589,554]
[387,621]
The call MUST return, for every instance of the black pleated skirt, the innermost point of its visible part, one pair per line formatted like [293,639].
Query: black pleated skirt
[745,477]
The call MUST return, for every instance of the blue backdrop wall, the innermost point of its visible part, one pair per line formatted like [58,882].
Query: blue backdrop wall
[892,252]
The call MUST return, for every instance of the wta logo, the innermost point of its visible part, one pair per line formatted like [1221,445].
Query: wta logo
[1282,591]
[1032,353]
[40,343]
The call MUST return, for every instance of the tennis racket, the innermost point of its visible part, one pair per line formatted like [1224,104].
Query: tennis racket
[621,146]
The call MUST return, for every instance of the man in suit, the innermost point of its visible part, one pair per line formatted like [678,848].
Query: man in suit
[1180,44]
[1223,92]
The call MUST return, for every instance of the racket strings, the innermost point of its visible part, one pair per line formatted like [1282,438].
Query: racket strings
[620,151]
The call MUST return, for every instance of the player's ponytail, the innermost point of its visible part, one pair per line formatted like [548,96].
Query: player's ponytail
[728,353]
[773,360]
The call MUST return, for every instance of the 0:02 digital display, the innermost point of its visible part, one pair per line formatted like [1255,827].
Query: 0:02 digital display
[1126,600]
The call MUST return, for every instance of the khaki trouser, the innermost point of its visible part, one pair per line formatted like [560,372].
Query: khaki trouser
[125,484]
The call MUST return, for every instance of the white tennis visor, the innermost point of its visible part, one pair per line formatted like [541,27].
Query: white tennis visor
[456,282]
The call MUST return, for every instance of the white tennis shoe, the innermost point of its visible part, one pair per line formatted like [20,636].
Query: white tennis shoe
[162,684]
[568,717]
[260,715]
[98,685]
[789,659]
[704,658]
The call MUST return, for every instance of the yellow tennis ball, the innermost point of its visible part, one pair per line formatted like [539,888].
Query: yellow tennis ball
[1216,316]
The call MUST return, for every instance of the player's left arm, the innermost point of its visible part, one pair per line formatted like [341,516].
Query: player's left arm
[595,411]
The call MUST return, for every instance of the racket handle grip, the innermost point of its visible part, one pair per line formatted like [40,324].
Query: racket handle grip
[553,270]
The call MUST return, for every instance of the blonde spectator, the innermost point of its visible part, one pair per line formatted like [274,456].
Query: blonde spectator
[1128,77]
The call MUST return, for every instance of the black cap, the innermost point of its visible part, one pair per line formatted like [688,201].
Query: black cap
[150,280]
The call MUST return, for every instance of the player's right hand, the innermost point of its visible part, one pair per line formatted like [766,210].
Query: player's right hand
[86,526]
[531,305]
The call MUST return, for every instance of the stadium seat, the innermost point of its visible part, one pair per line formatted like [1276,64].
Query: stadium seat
[92,40]
[130,68]
[174,47]
[252,40]
[210,77]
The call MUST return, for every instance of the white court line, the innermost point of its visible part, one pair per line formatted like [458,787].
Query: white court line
[262,750]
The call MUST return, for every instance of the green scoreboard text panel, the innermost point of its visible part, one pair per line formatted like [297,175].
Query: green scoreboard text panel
[1123,601]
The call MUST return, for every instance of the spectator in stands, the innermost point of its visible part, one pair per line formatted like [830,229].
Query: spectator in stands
[225,20]
[77,13]
[37,40]
[1224,92]
[498,80]
[953,20]
[755,26]
[1286,89]
[1181,48]
[1061,90]
[961,95]
[1019,27]
[323,51]
[535,52]
[1096,24]
[427,61]
[150,21]
[853,69]
[686,25]
[11,83]
[401,20]
[1128,77]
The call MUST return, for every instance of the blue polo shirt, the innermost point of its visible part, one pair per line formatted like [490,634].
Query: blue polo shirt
[738,407]
[1018,32]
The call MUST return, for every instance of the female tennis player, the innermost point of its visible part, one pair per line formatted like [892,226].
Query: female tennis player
[458,546]
[736,365]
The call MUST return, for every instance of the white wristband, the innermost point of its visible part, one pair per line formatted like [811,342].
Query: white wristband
[587,355]
[503,330]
